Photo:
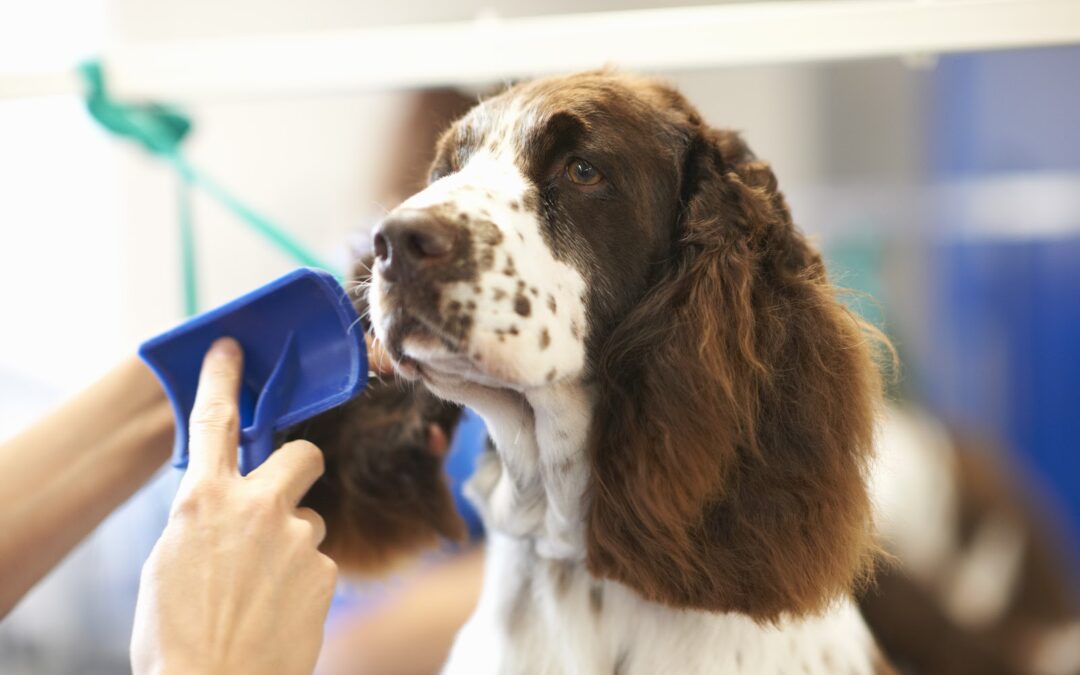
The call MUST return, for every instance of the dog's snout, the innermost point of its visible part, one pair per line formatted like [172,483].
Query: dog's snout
[410,241]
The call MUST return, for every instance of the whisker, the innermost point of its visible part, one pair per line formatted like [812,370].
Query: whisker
[353,325]
[355,286]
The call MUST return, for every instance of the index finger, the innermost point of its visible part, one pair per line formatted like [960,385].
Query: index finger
[291,470]
[214,429]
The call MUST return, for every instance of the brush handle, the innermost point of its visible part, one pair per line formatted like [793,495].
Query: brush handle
[257,440]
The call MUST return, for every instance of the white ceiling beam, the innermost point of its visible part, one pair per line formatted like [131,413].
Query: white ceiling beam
[492,49]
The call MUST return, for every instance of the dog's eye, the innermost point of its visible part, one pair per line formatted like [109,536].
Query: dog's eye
[582,173]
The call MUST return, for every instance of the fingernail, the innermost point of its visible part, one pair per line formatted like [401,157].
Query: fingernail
[224,348]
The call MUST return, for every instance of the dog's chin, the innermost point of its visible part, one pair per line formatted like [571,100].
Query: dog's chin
[425,357]
[422,356]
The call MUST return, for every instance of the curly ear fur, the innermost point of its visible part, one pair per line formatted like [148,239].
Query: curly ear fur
[384,496]
[738,399]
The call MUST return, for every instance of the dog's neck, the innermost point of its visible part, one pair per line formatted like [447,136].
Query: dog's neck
[534,485]
[540,606]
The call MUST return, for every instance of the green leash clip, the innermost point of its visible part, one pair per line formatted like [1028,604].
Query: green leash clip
[160,130]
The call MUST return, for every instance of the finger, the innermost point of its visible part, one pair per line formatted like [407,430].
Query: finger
[291,470]
[214,429]
[315,521]
[378,358]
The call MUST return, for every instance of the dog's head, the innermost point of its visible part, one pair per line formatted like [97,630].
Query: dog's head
[593,228]
[548,209]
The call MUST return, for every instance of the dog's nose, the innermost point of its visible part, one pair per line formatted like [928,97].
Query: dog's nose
[409,241]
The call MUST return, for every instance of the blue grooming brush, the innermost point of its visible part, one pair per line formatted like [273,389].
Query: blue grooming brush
[303,354]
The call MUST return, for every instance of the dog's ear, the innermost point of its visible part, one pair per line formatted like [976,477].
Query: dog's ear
[730,448]
[384,495]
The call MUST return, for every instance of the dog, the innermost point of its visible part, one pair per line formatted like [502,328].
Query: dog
[979,584]
[682,410]
[976,585]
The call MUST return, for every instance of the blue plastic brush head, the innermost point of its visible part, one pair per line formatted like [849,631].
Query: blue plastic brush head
[304,353]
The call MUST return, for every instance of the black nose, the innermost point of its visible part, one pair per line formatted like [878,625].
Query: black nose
[410,241]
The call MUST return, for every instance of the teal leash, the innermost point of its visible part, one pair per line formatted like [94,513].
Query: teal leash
[160,130]
[188,268]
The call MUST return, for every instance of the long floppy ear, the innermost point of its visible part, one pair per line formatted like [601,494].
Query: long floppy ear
[738,399]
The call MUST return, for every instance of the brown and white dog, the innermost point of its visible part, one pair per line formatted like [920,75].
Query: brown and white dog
[981,584]
[683,413]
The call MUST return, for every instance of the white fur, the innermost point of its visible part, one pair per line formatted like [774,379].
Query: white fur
[983,579]
[913,488]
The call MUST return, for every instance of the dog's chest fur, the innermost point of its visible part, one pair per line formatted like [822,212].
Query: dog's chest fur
[542,613]
[549,617]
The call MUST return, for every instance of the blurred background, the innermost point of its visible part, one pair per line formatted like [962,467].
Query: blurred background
[946,187]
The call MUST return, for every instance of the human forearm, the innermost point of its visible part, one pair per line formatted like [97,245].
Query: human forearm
[62,476]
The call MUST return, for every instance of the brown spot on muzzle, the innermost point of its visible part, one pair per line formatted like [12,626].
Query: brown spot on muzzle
[522,305]
[487,233]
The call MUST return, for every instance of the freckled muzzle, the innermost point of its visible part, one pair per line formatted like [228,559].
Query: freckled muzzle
[464,285]
[418,252]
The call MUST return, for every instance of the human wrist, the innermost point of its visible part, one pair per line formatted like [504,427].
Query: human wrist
[179,666]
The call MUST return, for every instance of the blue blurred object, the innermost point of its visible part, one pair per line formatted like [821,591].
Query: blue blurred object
[1006,324]
[303,354]
[1005,111]
[1004,321]
[470,440]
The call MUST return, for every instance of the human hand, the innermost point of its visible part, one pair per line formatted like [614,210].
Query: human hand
[236,583]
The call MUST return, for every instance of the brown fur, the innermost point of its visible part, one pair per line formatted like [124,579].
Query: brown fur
[735,422]
[383,495]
